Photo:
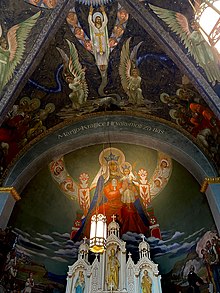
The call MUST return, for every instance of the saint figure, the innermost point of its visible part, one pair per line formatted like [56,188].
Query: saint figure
[80,283]
[134,88]
[120,193]
[113,266]
[129,191]
[109,192]
[29,284]
[99,37]
[146,283]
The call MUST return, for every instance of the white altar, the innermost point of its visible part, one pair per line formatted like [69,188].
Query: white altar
[110,272]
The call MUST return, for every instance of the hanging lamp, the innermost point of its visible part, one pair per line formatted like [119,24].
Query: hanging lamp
[98,233]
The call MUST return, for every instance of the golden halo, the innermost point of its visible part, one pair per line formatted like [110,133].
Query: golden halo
[106,152]
[163,97]
[36,103]
[25,99]
[97,14]
[50,107]
[125,165]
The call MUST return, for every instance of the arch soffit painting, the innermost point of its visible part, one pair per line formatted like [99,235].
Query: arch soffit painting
[173,49]
[99,129]
[148,21]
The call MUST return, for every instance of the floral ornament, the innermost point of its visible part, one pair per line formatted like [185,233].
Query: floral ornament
[142,173]
[84,177]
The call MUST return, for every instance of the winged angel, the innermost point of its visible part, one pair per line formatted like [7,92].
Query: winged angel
[12,49]
[129,73]
[74,75]
[205,56]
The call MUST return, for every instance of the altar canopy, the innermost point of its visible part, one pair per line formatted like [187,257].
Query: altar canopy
[114,270]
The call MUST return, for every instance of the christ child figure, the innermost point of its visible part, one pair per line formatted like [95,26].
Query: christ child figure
[129,191]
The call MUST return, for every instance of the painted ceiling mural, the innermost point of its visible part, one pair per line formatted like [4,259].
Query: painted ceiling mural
[149,193]
[101,59]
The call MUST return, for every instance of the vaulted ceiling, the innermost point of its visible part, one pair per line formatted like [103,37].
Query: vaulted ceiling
[40,95]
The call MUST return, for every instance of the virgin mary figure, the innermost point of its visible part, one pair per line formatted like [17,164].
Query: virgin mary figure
[80,283]
[109,189]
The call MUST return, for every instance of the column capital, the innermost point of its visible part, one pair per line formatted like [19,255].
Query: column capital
[207,181]
[11,190]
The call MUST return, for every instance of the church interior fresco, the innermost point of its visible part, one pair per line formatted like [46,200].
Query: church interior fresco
[46,100]
[47,240]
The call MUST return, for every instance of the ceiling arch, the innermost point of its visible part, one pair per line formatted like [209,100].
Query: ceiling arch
[196,111]
[99,129]
[143,16]
[173,48]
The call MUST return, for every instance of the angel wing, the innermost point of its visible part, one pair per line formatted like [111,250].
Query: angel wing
[16,40]
[129,73]
[177,22]
[74,67]
[204,55]
[125,66]
[127,63]
[133,55]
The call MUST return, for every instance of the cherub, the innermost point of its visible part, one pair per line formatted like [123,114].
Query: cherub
[50,3]
[74,74]
[13,47]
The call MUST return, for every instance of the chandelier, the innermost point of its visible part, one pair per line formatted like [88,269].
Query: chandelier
[208,18]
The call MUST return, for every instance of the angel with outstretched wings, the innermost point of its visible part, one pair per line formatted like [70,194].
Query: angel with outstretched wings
[13,47]
[205,56]
[129,73]
[74,75]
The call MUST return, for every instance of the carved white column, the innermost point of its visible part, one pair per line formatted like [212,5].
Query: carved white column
[123,268]
[102,267]
[69,283]
[137,275]
[8,198]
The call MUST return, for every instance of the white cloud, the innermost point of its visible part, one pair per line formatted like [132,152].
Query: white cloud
[64,235]
[193,235]
[29,252]
[38,239]
[55,243]
[60,259]
[20,232]
[45,237]
[24,241]
[73,252]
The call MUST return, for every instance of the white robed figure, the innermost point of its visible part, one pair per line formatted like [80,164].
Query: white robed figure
[99,37]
